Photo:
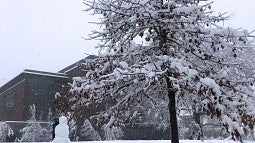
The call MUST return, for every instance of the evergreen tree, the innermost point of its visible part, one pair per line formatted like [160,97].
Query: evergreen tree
[88,131]
[34,132]
[5,131]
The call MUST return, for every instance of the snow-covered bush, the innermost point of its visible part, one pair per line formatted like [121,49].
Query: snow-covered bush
[34,132]
[183,129]
[83,131]
[112,132]
[73,130]
[88,131]
[5,131]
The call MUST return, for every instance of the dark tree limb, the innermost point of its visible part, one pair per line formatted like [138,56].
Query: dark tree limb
[172,110]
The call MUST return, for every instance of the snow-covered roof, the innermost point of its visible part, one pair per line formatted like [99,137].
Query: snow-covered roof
[61,74]
[42,73]
[21,77]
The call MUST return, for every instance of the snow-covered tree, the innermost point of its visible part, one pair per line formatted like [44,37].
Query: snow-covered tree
[88,131]
[5,131]
[34,132]
[187,56]
[112,132]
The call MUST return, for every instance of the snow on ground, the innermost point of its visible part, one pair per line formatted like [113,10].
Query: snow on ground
[166,141]
[162,141]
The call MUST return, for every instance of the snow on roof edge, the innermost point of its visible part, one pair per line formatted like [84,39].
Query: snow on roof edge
[46,74]
[12,86]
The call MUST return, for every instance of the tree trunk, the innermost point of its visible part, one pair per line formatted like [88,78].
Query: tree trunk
[172,111]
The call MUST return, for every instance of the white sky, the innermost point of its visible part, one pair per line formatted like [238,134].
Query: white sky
[46,34]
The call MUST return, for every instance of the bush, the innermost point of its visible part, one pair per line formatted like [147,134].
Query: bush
[5,131]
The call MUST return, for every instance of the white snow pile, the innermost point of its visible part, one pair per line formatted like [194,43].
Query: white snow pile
[62,131]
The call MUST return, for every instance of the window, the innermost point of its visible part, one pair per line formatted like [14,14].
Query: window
[9,103]
[9,100]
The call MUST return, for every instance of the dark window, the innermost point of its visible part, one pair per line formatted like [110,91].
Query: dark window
[9,100]
[9,103]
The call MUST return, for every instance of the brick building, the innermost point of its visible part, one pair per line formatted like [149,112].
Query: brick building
[38,88]
[28,88]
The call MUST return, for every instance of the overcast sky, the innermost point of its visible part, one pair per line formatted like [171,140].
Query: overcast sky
[46,34]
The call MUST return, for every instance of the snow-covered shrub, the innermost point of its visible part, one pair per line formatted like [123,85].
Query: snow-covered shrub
[183,129]
[88,131]
[83,131]
[5,131]
[112,132]
[73,131]
[34,132]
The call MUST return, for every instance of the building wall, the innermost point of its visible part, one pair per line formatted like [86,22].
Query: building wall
[76,71]
[42,92]
[30,89]
[14,101]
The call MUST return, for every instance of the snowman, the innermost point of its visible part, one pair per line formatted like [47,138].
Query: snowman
[62,131]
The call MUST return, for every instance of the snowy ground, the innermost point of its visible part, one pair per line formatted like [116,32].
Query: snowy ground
[164,141]
[168,141]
